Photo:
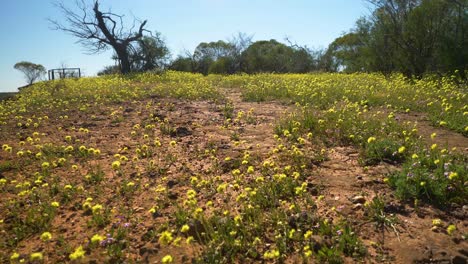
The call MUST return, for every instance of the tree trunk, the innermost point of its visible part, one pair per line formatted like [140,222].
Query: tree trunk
[120,47]
[122,54]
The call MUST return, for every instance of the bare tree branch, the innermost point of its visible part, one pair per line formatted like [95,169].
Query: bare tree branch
[97,31]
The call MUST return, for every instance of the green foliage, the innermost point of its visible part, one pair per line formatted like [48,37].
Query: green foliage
[109,70]
[348,52]
[273,56]
[217,57]
[150,53]
[382,150]
[412,37]
[240,55]
[223,65]
[32,72]
[183,64]
[375,212]
[437,177]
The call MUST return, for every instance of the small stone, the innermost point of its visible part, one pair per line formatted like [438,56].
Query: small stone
[181,132]
[464,252]
[196,228]
[145,250]
[318,242]
[357,206]
[172,195]
[358,199]
[457,240]
[459,260]
[138,209]
[171,183]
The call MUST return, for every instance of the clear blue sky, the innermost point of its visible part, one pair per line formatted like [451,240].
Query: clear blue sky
[26,34]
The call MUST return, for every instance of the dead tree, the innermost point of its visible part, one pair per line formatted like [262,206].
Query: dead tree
[97,30]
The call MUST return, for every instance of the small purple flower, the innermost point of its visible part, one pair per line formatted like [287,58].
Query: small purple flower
[126,225]
[410,175]
[340,208]
[446,166]
[109,240]
[339,232]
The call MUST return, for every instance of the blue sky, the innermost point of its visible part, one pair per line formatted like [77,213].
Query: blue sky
[27,35]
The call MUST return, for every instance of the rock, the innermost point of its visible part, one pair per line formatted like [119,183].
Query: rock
[138,209]
[357,206]
[171,183]
[319,242]
[145,250]
[393,208]
[302,220]
[196,228]
[172,195]
[156,214]
[292,221]
[442,253]
[181,132]
[464,252]
[358,199]
[224,145]
[459,260]
[312,188]
[88,125]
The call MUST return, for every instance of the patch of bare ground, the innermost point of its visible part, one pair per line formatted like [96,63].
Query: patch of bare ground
[444,137]
[348,186]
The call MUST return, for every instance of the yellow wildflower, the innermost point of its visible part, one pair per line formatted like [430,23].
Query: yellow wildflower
[79,253]
[46,236]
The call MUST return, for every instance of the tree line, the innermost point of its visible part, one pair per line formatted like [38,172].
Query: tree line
[414,37]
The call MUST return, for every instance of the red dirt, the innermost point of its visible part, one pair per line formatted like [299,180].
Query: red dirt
[341,178]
